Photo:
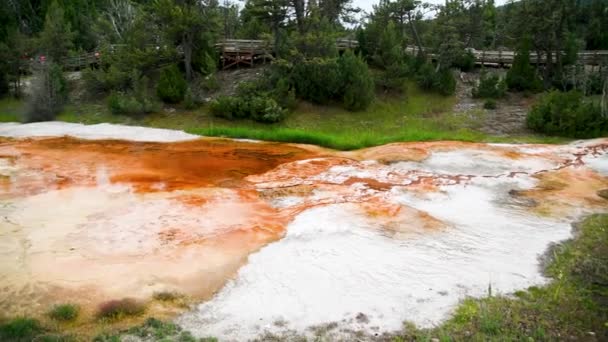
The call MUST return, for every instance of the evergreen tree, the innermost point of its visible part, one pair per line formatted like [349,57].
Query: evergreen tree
[56,39]
[48,93]
[358,84]
[522,76]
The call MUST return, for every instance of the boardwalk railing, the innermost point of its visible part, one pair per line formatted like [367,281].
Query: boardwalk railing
[246,51]
[504,57]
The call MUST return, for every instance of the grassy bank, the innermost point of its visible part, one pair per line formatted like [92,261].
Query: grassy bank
[411,116]
[573,306]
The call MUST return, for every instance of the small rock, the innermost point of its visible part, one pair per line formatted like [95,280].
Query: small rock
[434,339]
[603,193]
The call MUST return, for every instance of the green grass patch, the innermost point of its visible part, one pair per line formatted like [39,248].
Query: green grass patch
[153,330]
[347,140]
[11,109]
[413,115]
[20,329]
[573,306]
[64,312]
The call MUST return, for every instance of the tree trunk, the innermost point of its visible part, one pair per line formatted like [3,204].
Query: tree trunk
[299,9]
[605,98]
[187,46]
[275,33]
[415,34]
[548,69]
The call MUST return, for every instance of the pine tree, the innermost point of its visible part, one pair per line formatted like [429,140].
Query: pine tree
[56,39]
[522,75]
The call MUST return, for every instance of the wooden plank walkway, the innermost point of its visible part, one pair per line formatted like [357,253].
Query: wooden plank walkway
[236,52]
[505,58]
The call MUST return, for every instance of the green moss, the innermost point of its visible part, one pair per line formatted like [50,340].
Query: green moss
[64,312]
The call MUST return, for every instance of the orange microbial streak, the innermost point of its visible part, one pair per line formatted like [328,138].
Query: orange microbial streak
[97,220]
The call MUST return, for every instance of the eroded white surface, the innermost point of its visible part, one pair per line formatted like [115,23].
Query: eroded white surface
[93,132]
[333,265]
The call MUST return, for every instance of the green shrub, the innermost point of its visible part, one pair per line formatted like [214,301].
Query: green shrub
[64,312]
[224,107]
[491,87]
[20,329]
[522,76]
[48,93]
[210,83]
[490,104]
[357,83]
[4,87]
[172,85]
[464,61]
[105,80]
[208,64]
[317,80]
[258,108]
[446,83]
[425,77]
[442,81]
[567,114]
[118,309]
[136,102]
[189,102]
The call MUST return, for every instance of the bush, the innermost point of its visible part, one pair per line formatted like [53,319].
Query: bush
[317,80]
[446,83]
[118,309]
[357,83]
[442,81]
[522,76]
[20,329]
[48,93]
[258,108]
[464,61]
[490,104]
[225,107]
[136,102]
[491,87]
[64,312]
[171,86]
[567,114]
[99,80]
[210,83]
[189,102]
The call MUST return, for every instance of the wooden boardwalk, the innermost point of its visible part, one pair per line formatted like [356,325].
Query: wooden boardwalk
[237,52]
[503,58]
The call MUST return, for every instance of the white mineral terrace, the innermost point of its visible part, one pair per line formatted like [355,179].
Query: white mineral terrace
[281,238]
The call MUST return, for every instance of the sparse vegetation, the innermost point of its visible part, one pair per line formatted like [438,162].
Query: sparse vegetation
[48,93]
[490,87]
[167,296]
[20,329]
[567,114]
[171,86]
[64,312]
[572,306]
[120,308]
[490,104]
